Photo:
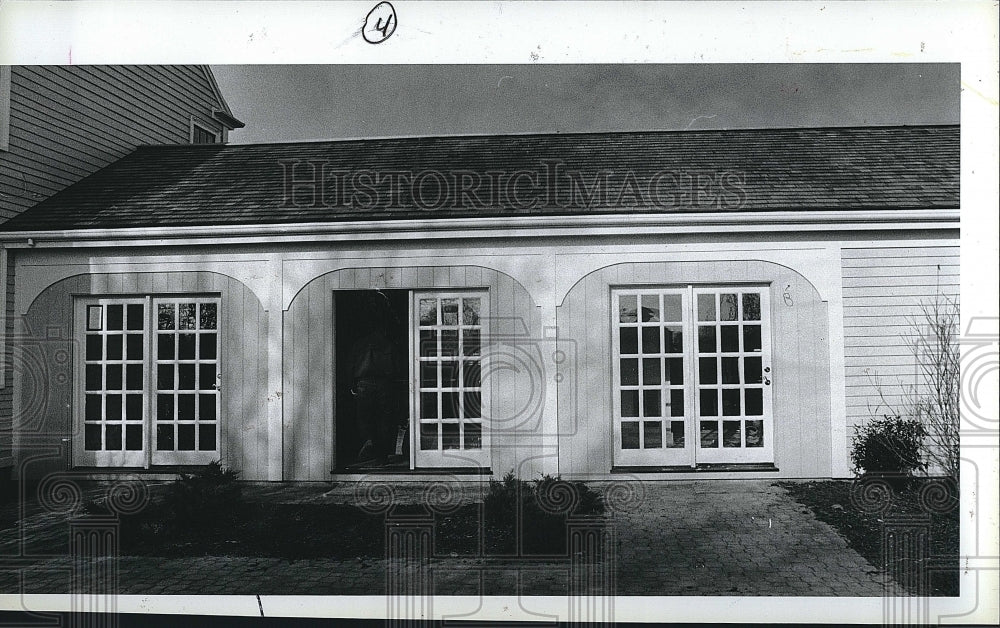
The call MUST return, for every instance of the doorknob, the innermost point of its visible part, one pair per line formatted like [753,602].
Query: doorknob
[767,380]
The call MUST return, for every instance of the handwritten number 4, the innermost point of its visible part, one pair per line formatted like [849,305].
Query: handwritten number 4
[384,29]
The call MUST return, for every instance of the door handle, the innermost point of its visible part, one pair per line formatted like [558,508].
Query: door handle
[767,380]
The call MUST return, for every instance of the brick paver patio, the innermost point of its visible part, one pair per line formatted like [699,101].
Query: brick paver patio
[671,538]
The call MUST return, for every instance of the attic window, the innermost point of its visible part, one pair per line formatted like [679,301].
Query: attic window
[203,135]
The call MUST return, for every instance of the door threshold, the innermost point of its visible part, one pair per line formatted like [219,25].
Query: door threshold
[714,467]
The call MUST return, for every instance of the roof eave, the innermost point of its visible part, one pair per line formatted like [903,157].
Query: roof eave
[514,226]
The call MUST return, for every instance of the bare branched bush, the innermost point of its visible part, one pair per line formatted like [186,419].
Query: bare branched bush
[934,401]
[931,399]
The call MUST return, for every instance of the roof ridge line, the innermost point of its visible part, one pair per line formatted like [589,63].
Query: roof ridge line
[567,134]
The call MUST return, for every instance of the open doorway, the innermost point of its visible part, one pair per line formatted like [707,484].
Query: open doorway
[372,381]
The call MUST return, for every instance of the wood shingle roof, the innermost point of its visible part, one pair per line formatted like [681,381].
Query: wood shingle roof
[869,168]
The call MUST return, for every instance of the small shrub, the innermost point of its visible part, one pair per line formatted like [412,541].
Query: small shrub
[889,446]
[203,502]
[542,505]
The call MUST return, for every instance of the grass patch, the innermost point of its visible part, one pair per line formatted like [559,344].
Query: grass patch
[831,502]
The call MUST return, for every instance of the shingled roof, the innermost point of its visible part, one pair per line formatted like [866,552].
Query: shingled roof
[870,168]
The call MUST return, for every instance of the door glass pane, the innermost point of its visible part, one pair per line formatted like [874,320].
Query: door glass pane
[428,436]
[470,311]
[731,436]
[730,371]
[629,343]
[650,339]
[473,436]
[629,371]
[730,335]
[707,370]
[650,307]
[166,316]
[709,402]
[650,372]
[630,403]
[652,437]
[672,308]
[673,340]
[116,318]
[728,307]
[751,306]
[209,315]
[428,311]
[706,307]
[675,371]
[731,402]
[630,435]
[677,402]
[651,403]
[675,434]
[709,434]
[449,311]
[627,309]
[755,433]
[706,339]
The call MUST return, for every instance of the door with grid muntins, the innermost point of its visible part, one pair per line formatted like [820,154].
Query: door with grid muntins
[691,370]
[111,405]
[733,375]
[450,427]
[652,397]
[186,381]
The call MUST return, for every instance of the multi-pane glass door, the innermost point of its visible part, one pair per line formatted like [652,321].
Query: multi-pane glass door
[651,401]
[114,382]
[691,376]
[450,428]
[149,392]
[187,381]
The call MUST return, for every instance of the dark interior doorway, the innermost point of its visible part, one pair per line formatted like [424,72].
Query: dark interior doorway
[380,401]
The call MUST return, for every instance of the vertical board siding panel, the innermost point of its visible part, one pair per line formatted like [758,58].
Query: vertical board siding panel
[290,393]
[425,277]
[300,322]
[409,279]
[232,301]
[474,276]
[320,384]
[252,388]
[363,278]
[259,434]
[441,276]
[144,283]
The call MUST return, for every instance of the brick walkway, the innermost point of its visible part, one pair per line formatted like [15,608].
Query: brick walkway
[672,538]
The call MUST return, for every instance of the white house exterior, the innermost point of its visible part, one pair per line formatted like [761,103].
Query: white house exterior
[719,310]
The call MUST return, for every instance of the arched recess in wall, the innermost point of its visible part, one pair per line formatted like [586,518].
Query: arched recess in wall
[800,350]
[47,328]
[309,364]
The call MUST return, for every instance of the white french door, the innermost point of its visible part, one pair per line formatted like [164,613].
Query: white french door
[450,427]
[692,376]
[148,383]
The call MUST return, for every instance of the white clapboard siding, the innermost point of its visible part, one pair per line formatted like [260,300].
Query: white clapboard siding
[885,292]
[67,122]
